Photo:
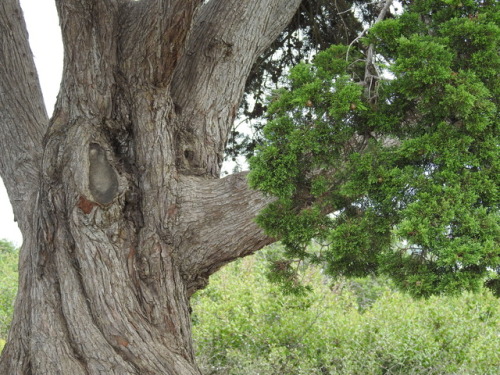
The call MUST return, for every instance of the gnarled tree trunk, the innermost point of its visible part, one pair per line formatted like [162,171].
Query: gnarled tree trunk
[118,195]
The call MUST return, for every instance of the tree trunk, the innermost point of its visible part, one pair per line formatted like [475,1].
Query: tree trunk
[118,196]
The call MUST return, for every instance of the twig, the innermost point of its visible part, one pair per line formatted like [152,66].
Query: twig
[342,19]
[380,17]
[372,74]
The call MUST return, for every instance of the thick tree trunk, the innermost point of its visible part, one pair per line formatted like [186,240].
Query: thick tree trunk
[118,196]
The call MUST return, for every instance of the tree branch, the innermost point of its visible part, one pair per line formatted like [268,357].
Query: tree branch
[372,75]
[23,117]
[153,38]
[218,225]
[208,84]
[88,29]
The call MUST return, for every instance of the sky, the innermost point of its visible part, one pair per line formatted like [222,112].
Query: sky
[45,40]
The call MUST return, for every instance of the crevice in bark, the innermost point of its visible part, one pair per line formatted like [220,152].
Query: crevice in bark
[79,356]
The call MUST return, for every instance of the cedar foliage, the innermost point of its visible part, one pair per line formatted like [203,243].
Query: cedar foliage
[393,162]
[317,25]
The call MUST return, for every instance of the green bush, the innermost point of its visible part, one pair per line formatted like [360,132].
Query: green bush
[8,285]
[243,324]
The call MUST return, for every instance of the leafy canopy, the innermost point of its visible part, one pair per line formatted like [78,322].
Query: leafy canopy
[394,172]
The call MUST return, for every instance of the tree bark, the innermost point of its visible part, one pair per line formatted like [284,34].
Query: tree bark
[118,196]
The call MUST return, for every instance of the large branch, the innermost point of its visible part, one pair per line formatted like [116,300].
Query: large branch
[142,40]
[153,38]
[88,29]
[23,122]
[217,225]
[218,215]
[208,84]
[23,118]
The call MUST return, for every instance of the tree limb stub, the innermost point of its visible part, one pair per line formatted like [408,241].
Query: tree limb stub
[226,203]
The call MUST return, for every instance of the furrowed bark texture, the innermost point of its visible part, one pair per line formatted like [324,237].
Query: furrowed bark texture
[118,195]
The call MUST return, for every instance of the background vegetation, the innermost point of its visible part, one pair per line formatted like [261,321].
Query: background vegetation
[8,286]
[244,324]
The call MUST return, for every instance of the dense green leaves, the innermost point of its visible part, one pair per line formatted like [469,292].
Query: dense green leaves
[398,174]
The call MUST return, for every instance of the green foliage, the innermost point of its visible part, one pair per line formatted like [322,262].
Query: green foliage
[243,324]
[408,168]
[8,285]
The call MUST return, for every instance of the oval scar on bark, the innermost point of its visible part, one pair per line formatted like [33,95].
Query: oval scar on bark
[103,181]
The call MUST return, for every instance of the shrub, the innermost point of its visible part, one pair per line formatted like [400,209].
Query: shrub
[243,324]
[8,284]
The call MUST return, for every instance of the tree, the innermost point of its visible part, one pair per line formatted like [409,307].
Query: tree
[118,195]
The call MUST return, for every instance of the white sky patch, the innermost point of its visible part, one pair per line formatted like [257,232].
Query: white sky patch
[46,44]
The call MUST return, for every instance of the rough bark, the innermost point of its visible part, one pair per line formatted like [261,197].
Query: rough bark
[118,196]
